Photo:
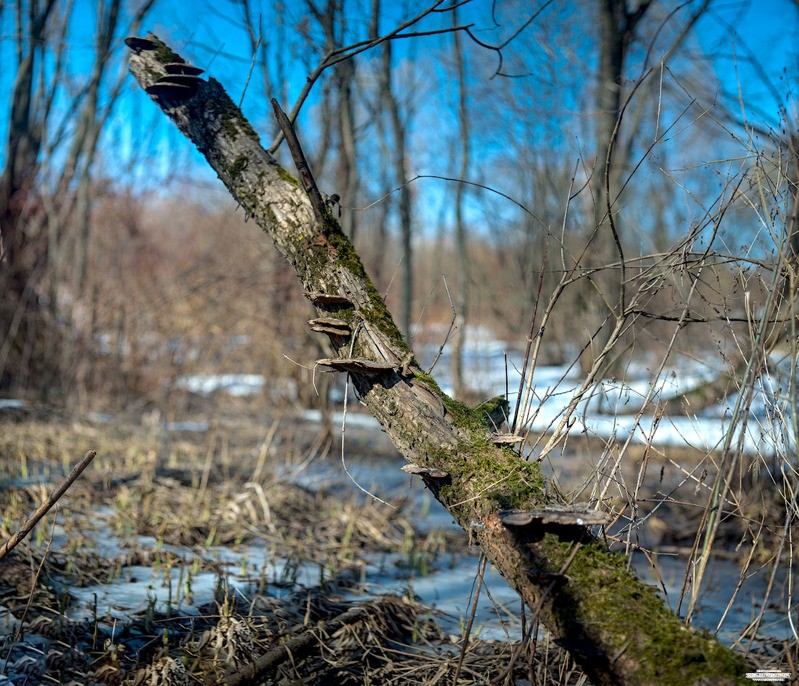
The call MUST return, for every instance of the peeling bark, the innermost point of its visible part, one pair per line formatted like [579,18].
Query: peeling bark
[615,626]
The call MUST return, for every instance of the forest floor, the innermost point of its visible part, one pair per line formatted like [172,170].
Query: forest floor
[217,549]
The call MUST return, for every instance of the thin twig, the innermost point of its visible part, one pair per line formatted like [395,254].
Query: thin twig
[25,529]
[34,586]
[249,73]
[449,330]
[302,645]
[343,430]
[303,169]
[481,568]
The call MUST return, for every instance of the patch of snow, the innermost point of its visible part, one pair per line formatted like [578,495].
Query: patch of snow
[11,404]
[359,419]
[238,385]
[189,427]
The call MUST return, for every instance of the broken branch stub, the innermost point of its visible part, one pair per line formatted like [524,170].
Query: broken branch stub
[359,365]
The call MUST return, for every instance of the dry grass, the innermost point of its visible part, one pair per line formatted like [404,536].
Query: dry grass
[163,503]
[164,499]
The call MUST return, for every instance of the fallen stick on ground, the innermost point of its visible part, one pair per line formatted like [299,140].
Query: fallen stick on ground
[33,520]
[304,644]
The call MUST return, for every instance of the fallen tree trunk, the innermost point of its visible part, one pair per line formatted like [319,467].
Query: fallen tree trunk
[615,626]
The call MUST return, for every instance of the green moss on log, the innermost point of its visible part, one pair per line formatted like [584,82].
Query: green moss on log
[233,122]
[376,312]
[503,480]
[283,174]
[238,166]
[163,53]
[672,653]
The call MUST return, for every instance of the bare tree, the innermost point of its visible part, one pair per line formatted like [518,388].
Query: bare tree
[461,238]
[399,161]
[47,186]
[616,627]
[380,226]
[23,252]
[339,105]
[617,27]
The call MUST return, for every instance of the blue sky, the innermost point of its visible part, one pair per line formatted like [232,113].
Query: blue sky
[752,43]
[753,40]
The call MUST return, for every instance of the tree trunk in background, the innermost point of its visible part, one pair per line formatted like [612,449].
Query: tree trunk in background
[337,111]
[615,626]
[615,34]
[461,239]
[347,158]
[24,321]
[380,224]
[107,19]
[616,31]
[399,161]
[45,233]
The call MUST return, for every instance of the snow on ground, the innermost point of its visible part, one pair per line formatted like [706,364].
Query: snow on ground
[606,411]
[234,384]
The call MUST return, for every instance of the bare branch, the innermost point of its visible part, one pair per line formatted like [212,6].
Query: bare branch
[336,55]
[44,508]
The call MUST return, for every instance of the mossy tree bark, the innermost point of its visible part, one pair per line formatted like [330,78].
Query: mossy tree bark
[615,626]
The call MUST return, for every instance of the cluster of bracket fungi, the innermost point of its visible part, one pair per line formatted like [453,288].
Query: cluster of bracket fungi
[181,79]
[554,514]
[342,329]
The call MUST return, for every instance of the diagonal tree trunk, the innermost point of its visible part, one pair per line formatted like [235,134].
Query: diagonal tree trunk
[616,627]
